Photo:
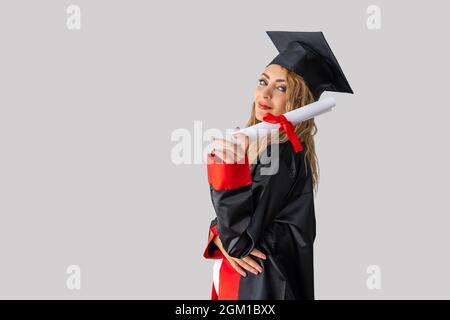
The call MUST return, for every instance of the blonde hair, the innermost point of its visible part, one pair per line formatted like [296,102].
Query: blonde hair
[297,96]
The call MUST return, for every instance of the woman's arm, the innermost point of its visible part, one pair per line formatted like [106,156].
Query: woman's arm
[212,251]
[241,216]
[246,263]
[215,250]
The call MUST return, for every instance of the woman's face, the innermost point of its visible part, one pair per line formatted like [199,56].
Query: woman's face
[270,94]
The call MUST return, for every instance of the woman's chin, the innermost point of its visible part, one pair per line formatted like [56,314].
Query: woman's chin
[259,114]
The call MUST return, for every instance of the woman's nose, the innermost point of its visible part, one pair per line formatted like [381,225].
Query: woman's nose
[267,93]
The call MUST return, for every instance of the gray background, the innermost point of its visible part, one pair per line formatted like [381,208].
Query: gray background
[86,116]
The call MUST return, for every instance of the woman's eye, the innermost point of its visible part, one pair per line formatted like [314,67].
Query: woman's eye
[263,82]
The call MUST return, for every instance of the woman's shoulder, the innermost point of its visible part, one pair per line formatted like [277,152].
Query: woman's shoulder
[284,154]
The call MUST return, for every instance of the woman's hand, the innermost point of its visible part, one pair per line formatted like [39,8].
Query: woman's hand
[229,152]
[246,263]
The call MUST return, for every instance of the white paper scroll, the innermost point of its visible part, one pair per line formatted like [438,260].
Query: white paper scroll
[295,117]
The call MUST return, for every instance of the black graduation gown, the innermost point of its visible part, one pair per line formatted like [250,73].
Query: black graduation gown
[273,213]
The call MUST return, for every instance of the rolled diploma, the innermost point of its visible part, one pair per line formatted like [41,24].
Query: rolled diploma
[294,116]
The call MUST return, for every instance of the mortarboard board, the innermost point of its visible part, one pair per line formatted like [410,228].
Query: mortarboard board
[309,55]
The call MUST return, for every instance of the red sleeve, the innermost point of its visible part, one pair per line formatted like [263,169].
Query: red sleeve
[226,176]
[211,250]
[246,202]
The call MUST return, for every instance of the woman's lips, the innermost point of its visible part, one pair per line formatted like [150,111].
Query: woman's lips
[263,106]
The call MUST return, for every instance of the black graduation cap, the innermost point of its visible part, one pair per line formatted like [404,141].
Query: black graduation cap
[309,55]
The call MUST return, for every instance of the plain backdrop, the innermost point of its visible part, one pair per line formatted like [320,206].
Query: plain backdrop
[86,118]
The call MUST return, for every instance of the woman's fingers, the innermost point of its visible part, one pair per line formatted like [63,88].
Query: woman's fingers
[233,151]
[225,156]
[252,263]
[258,253]
[218,155]
[239,149]
[236,267]
[226,145]
[243,143]
[246,266]
[247,263]
[243,140]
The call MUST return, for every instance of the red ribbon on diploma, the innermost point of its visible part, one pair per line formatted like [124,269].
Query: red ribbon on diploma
[287,126]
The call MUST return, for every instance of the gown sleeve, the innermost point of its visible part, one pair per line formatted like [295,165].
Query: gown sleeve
[245,206]
[211,250]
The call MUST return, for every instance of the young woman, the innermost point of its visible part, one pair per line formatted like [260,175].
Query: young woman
[263,192]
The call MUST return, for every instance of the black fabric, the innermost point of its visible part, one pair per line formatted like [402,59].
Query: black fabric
[309,55]
[274,214]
